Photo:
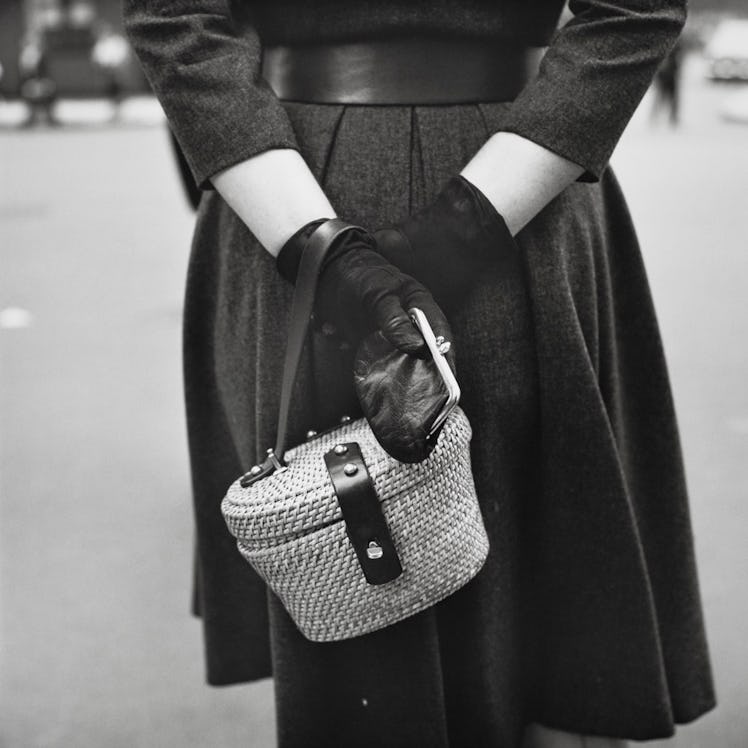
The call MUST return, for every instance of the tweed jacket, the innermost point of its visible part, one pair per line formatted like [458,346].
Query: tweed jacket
[202,58]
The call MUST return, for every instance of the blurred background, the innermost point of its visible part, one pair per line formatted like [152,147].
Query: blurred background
[96,644]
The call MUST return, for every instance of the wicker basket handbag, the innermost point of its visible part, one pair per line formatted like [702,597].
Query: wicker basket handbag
[350,539]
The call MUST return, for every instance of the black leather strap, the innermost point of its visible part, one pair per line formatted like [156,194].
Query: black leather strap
[312,260]
[404,71]
[301,311]
[364,521]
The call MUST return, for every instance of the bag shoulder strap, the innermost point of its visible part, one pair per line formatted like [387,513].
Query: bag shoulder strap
[310,266]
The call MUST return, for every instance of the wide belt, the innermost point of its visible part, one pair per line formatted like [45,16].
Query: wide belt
[400,71]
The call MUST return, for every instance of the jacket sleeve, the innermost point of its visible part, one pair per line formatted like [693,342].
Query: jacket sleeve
[594,74]
[205,70]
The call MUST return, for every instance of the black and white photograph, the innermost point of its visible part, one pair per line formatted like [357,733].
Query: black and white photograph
[373,374]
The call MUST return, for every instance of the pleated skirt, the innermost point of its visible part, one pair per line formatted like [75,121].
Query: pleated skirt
[586,616]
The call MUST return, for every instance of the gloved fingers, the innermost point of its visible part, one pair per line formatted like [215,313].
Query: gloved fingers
[338,312]
[394,246]
[395,323]
[415,294]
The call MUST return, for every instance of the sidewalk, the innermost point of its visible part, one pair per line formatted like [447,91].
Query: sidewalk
[96,534]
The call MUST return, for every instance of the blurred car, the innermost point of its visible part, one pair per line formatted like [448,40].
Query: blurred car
[726,53]
[69,51]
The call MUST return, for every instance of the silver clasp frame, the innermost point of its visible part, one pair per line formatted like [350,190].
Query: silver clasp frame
[438,348]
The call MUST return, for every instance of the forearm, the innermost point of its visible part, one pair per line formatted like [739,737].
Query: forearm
[274,194]
[518,176]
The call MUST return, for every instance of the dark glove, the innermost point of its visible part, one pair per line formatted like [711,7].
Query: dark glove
[448,245]
[359,291]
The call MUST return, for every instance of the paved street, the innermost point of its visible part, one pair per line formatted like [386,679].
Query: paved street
[95,525]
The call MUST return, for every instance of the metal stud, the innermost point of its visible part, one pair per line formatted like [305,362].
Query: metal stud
[311,434]
[340,449]
[374,550]
[350,468]
[345,419]
[442,345]
[255,470]
[277,464]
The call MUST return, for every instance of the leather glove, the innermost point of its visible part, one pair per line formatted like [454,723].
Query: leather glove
[447,245]
[359,291]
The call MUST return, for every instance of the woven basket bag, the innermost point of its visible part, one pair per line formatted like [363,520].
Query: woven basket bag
[297,532]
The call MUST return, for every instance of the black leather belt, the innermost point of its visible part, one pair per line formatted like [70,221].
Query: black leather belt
[400,71]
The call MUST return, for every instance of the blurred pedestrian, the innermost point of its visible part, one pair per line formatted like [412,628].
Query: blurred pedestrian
[38,89]
[488,176]
[666,86]
[110,54]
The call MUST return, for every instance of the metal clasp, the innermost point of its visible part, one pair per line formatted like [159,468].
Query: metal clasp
[277,464]
[270,465]
[374,551]
[438,347]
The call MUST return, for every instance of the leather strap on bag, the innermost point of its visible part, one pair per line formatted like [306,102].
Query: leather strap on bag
[312,260]
[365,523]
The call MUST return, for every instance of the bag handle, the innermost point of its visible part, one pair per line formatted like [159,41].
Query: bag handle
[310,266]
[312,259]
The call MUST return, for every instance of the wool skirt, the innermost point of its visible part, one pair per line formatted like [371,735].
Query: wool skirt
[586,616]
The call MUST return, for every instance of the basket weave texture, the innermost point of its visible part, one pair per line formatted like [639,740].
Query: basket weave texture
[290,528]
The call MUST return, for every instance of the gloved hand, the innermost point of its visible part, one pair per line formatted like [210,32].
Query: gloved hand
[359,291]
[447,245]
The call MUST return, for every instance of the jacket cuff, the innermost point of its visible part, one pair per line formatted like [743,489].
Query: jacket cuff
[592,169]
